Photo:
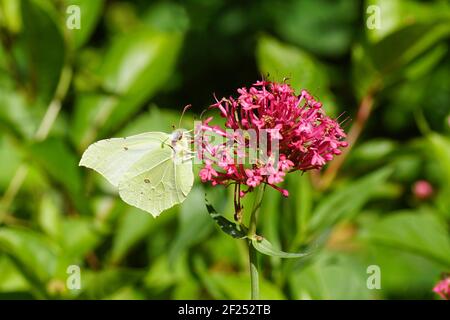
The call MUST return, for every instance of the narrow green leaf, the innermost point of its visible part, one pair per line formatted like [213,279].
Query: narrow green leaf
[265,247]
[226,225]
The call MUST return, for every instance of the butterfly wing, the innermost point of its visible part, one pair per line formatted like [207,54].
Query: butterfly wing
[145,169]
[114,157]
[157,182]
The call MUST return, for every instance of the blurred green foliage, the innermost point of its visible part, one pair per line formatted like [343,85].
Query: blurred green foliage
[134,65]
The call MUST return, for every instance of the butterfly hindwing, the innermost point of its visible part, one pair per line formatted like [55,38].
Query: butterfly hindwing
[158,181]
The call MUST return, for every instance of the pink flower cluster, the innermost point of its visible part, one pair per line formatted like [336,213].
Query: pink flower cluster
[442,288]
[307,137]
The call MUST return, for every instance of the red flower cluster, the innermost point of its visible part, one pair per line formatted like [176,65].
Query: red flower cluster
[306,138]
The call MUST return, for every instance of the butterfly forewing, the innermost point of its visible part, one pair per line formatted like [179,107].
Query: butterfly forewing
[114,157]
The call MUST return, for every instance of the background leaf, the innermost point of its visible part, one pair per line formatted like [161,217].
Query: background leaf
[135,67]
[422,234]
[279,61]
[45,54]
[343,204]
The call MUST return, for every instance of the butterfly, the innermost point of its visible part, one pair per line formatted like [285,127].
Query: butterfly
[152,171]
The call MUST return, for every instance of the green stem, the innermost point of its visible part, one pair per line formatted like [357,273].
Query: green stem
[253,259]
[254,278]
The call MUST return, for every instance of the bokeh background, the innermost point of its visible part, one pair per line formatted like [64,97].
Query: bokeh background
[134,65]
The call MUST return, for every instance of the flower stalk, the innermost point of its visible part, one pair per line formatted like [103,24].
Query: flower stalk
[253,258]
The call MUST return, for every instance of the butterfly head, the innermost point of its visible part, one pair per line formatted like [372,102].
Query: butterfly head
[178,136]
[180,142]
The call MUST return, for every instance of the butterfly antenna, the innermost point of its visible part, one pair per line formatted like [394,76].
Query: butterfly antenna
[182,114]
[265,77]
[203,112]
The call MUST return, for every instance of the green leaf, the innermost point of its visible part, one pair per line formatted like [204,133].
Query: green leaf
[270,218]
[61,164]
[10,14]
[265,247]
[396,14]
[302,206]
[395,282]
[280,61]
[32,253]
[373,150]
[17,114]
[78,238]
[422,234]
[410,42]
[90,14]
[346,202]
[50,214]
[331,277]
[11,279]
[365,77]
[127,293]
[230,228]
[157,119]
[194,224]
[376,66]
[167,16]
[10,158]
[439,147]
[135,67]
[132,227]
[101,284]
[44,46]
[234,286]
[323,27]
